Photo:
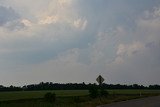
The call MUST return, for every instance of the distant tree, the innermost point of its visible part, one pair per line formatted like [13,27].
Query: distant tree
[73,86]
[154,86]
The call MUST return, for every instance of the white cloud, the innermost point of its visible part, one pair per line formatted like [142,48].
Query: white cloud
[26,22]
[130,49]
[49,20]
[126,51]
[64,2]
[80,23]
[156,12]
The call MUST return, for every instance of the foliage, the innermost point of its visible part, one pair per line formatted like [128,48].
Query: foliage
[10,88]
[104,93]
[73,86]
[93,92]
[50,97]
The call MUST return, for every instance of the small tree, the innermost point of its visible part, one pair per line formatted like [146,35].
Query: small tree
[50,97]
[93,92]
[103,93]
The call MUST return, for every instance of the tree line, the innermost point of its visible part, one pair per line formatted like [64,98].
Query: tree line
[73,86]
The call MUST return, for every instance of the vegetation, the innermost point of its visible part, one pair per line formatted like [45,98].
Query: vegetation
[73,86]
[104,93]
[50,97]
[69,98]
[71,95]
[5,96]
[93,92]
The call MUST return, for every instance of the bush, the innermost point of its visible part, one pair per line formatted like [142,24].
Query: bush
[103,93]
[50,97]
[93,92]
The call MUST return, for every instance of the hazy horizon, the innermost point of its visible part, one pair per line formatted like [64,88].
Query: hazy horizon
[65,41]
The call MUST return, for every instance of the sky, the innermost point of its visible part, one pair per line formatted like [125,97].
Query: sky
[74,41]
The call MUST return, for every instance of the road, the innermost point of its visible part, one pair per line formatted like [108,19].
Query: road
[143,102]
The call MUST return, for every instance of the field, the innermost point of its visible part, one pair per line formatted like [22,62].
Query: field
[68,98]
[5,96]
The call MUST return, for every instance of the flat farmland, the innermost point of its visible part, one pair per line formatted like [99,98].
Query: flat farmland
[69,98]
[132,91]
[6,96]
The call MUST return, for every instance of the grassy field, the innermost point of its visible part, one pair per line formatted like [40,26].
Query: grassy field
[5,96]
[67,98]
[129,92]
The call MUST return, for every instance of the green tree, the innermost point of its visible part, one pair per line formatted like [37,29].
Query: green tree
[50,97]
[103,93]
[93,92]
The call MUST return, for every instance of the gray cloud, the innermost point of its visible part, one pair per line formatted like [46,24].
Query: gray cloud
[7,15]
[82,39]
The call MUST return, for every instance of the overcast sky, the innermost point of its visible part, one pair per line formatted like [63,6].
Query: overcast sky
[76,40]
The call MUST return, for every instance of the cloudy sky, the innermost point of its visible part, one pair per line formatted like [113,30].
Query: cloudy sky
[76,40]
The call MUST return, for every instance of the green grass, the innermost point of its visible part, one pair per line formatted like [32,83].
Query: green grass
[68,98]
[132,91]
[5,96]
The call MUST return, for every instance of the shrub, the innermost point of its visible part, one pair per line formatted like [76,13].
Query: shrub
[103,93]
[50,97]
[93,92]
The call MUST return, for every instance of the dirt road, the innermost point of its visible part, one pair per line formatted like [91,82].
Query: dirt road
[143,102]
